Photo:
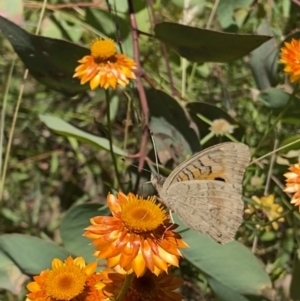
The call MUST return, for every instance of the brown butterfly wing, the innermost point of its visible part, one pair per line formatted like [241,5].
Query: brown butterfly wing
[224,162]
[212,208]
[205,190]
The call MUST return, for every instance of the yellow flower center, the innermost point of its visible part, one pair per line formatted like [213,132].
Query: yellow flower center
[140,215]
[103,49]
[65,282]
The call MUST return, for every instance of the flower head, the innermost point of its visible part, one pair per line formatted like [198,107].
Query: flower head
[104,67]
[67,281]
[293,183]
[145,288]
[270,209]
[290,56]
[138,236]
[221,127]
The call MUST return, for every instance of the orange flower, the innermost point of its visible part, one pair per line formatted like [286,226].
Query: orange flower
[67,281]
[104,67]
[290,56]
[138,236]
[293,183]
[148,287]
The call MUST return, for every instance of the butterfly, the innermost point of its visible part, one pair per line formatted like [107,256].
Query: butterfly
[205,191]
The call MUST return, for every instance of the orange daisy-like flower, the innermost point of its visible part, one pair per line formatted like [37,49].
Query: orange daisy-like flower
[71,280]
[148,287]
[293,183]
[290,56]
[103,67]
[138,236]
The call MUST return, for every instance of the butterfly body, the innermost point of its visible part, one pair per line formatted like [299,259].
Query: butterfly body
[205,191]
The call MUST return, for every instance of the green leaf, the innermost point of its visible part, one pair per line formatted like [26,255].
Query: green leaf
[202,45]
[174,139]
[274,98]
[73,225]
[264,60]
[224,293]
[227,12]
[106,23]
[65,129]
[30,254]
[50,61]
[70,27]
[11,277]
[232,265]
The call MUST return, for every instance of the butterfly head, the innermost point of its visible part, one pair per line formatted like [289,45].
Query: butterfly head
[157,181]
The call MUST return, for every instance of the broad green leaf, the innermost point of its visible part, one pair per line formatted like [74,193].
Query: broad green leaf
[232,265]
[174,139]
[11,277]
[106,23]
[50,61]
[202,45]
[65,129]
[70,27]
[224,293]
[50,28]
[227,10]
[264,60]
[274,98]
[73,225]
[31,254]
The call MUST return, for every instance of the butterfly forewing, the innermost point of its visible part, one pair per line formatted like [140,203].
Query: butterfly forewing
[224,162]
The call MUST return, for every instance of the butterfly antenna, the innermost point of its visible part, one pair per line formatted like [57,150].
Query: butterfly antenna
[155,151]
[123,159]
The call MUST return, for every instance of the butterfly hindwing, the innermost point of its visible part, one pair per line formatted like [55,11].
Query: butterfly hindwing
[212,208]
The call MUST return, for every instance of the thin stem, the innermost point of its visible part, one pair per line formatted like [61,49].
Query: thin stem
[279,117]
[109,127]
[163,49]
[16,111]
[183,76]
[274,151]
[207,138]
[4,109]
[272,161]
[127,122]
[254,245]
[212,14]
[125,287]
[140,87]
[266,191]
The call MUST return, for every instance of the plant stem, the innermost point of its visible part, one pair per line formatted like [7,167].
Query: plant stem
[125,287]
[113,157]
[279,117]
[16,112]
